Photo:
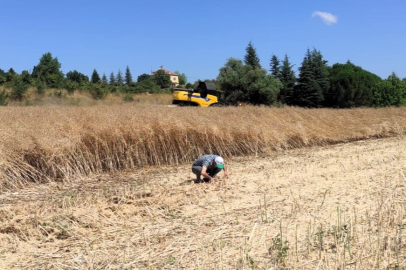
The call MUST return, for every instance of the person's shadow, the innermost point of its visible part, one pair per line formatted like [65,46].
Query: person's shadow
[193,181]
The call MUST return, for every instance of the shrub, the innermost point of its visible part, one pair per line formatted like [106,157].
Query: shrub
[41,86]
[3,98]
[128,97]
[98,91]
[19,88]
[71,86]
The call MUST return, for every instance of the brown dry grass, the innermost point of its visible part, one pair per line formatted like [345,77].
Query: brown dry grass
[61,97]
[332,207]
[47,144]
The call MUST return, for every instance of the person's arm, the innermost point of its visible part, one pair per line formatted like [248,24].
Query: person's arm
[225,171]
[205,174]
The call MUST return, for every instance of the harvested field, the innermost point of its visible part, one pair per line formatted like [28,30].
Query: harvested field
[110,187]
[331,207]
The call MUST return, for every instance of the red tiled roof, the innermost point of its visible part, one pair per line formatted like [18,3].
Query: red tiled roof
[166,71]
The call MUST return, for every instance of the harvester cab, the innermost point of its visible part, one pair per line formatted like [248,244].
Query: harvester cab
[204,95]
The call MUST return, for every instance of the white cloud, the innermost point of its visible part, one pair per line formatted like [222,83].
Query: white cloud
[327,18]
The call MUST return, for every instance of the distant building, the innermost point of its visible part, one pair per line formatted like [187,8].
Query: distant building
[173,76]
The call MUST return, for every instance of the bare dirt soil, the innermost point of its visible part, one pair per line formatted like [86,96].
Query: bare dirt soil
[334,207]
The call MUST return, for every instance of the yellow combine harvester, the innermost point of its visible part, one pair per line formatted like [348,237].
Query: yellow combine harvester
[205,95]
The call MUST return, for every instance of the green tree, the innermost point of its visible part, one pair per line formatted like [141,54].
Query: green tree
[143,77]
[182,78]
[147,85]
[10,75]
[3,77]
[77,77]
[119,78]
[162,79]
[128,76]
[313,80]
[19,88]
[275,67]
[288,79]
[104,80]
[230,79]
[388,92]
[48,71]
[26,77]
[112,79]
[350,86]
[244,83]
[251,57]
[95,77]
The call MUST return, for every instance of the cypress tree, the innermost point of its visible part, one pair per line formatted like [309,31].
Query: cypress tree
[119,78]
[313,80]
[104,79]
[128,76]
[251,58]
[288,80]
[275,67]
[95,77]
[112,78]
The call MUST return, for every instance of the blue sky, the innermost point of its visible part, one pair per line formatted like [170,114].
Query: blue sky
[197,37]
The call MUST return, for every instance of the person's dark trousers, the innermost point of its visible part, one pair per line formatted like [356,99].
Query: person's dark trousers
[213,172]
[198,169]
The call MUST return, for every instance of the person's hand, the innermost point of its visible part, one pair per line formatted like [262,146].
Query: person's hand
[226,175]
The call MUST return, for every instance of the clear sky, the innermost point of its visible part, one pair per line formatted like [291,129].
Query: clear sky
[197,37]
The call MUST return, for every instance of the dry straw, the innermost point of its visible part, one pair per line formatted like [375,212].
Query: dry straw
[56,144]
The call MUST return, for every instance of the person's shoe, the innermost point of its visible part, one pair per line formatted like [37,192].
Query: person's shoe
[207,180]
[197,181]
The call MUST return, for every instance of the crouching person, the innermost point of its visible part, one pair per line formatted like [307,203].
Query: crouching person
[208,166]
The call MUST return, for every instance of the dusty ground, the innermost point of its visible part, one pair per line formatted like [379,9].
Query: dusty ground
[335,207]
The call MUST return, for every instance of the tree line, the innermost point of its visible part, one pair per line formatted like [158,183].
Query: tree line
[317,84]
[47,74]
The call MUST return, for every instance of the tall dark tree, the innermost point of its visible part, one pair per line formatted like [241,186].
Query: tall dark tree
[119,78]
[313,80]
[251,58]
[128,76]
[112,79]
[48,71]
[104,80]
[95,77]
[275,67]
[288,79]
